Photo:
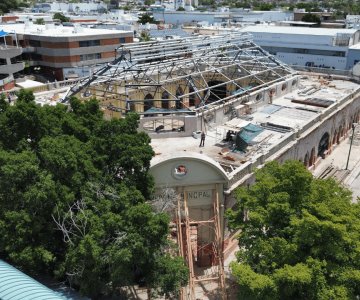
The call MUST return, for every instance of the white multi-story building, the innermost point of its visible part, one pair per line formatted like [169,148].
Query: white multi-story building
[304,46]
[9,63]
[232,15]
[66,7]
[352,21]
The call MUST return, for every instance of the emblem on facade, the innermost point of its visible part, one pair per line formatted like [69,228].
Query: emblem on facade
[180,171]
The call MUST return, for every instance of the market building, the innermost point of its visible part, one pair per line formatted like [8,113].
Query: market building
[252,109]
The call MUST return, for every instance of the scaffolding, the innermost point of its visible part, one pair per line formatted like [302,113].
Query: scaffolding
[183,76]
[189,246]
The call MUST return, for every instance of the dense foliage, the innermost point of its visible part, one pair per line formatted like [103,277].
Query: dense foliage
[146,18]
[7,5]
[300,237]
[311,18]
[72,199]
[61,17]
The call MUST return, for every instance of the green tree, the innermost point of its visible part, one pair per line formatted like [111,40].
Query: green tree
[144,36]
[311,18]
[8,5]
[149,2]
[264,7]
[40,21]
[60,17]
[73,199]
[299,238]
[146,18]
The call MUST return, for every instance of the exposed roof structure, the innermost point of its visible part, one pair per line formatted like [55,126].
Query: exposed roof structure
[201,67]
[15,285]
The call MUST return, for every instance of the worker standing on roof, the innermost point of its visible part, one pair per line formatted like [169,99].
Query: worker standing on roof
[202,140]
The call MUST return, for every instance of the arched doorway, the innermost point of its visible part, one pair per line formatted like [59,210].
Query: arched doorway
[148,102]
[341,131]
[323,144]
[218,92]
[306,159]
[131,105]
[191,96]
[312,156]
[335,138]
[179,93]
[164,100]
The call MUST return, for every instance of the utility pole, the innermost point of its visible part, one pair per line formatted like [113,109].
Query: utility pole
[351,141]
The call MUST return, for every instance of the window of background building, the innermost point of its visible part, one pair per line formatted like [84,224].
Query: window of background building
[35,56]
[90,56]
[122,40]
[89,43]
[34,43]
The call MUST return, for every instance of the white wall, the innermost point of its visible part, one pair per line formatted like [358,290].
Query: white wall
[301,59]
[77,7]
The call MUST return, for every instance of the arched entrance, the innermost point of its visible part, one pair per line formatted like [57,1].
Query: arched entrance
[218,92]
[335,138]
[323,144]
[148,102]
[306,159]
[312,156]
[179,93]
[341,132]
[191,97]
[165,102]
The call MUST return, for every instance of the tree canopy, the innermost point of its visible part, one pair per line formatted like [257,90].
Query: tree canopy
[300,237]
[73,199]
[146,18]
[61,17]
[311,18]
[8,5]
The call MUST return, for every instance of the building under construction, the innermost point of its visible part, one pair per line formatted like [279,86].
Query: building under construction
[173,83]
[253,109]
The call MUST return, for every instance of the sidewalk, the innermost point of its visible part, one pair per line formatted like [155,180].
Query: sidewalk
[338,159]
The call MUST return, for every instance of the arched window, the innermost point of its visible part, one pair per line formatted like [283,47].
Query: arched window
[164,100]
[148,102]
[323,144]
[217,91]
[179,93]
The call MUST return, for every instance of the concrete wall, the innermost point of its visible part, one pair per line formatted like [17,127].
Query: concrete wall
[203,183]
[301,59]
[336,121]
[352,58]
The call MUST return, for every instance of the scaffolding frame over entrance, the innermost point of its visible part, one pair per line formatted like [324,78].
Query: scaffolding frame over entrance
[186,245]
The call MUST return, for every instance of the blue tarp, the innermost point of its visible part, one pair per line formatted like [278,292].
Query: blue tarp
[246,135]
[3,33]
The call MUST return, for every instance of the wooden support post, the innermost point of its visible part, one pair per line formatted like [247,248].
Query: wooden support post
[180,241]
[219,244]
[189,250]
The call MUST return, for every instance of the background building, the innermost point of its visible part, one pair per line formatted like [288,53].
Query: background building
[303,46]
[9,61]
[67,52]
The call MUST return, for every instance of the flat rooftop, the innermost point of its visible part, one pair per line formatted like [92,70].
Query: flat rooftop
[58,31]
[298,30]
[288,114]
